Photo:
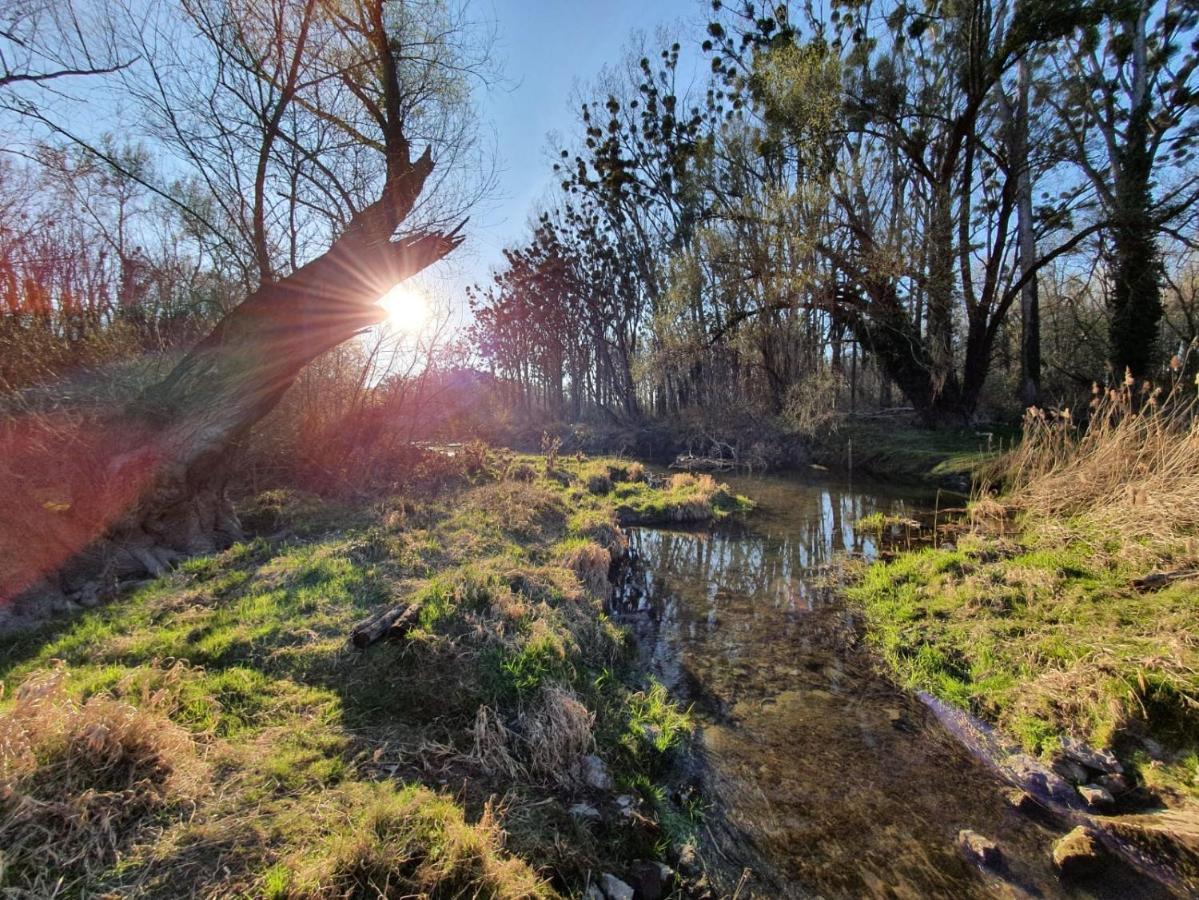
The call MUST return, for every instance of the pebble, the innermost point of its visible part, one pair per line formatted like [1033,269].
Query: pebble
[585,811]
[688,860]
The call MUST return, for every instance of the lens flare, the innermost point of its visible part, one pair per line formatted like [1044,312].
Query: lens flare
[407,310]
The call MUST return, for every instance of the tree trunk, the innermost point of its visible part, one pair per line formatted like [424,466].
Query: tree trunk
[147,485]
[1136,265]
[1030,306]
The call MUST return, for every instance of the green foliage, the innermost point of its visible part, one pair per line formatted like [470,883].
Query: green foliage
[1046,640]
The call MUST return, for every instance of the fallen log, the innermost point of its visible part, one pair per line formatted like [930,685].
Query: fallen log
[392,623]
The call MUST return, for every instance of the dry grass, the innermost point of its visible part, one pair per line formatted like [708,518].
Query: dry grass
[1070,608]
[495,745]
[79,781]
[412,843]
[557,733]
[591,563]
[1132,472]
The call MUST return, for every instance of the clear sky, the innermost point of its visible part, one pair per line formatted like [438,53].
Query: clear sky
[548,49]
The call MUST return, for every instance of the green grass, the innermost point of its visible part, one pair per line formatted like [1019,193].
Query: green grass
[945,457]
[326,762]
[1044,637]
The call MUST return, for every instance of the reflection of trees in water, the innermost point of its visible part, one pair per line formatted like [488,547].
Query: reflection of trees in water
[768,561]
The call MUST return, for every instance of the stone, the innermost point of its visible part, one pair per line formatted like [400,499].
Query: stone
[595,773]
[1071,770]
[1115,784]
[1153,748]
[614,888]
[1078,853]
[1019,800]
[1095,796]
[651,880]
[1099,760]
[593,893]
[585,812]
[978,849]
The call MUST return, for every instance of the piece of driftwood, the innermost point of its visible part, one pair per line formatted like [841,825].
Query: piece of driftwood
[1156,580]
[391,623]
[703,464]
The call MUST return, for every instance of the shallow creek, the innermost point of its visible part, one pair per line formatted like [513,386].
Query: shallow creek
[821,778]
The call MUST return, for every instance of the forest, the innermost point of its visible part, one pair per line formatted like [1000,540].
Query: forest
[845,361]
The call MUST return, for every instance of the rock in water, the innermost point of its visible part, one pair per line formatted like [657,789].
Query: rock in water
[978,849]
[1078,853]
[614,888]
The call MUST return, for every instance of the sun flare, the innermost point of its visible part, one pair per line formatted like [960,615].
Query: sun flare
[407,310]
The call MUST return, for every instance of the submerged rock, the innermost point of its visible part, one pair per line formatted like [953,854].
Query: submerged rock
[614,888]
[1078,853]
[978,849]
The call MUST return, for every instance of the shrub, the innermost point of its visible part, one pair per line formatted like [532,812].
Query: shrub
[599,484]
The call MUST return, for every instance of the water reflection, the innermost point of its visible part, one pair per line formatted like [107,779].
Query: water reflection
[825,780]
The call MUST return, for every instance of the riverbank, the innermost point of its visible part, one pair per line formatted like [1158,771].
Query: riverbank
[895,449]
[216,731]
[1067,614]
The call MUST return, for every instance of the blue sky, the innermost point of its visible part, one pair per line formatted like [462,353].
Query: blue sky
[548,50]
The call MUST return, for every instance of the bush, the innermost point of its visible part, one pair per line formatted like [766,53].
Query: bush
[599,484]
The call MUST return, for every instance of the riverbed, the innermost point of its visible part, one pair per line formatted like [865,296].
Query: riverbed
[819,776]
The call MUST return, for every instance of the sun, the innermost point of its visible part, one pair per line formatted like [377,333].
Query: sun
[407,310]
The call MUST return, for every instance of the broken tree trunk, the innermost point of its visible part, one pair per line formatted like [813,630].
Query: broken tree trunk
[146,486]
[97,498]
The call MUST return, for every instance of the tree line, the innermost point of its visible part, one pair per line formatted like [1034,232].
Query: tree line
[981,205]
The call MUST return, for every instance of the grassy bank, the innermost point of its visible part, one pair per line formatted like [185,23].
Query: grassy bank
[214,734]
[1069,606]
[899,450]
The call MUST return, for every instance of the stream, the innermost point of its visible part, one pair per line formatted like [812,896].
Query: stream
[820,777]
